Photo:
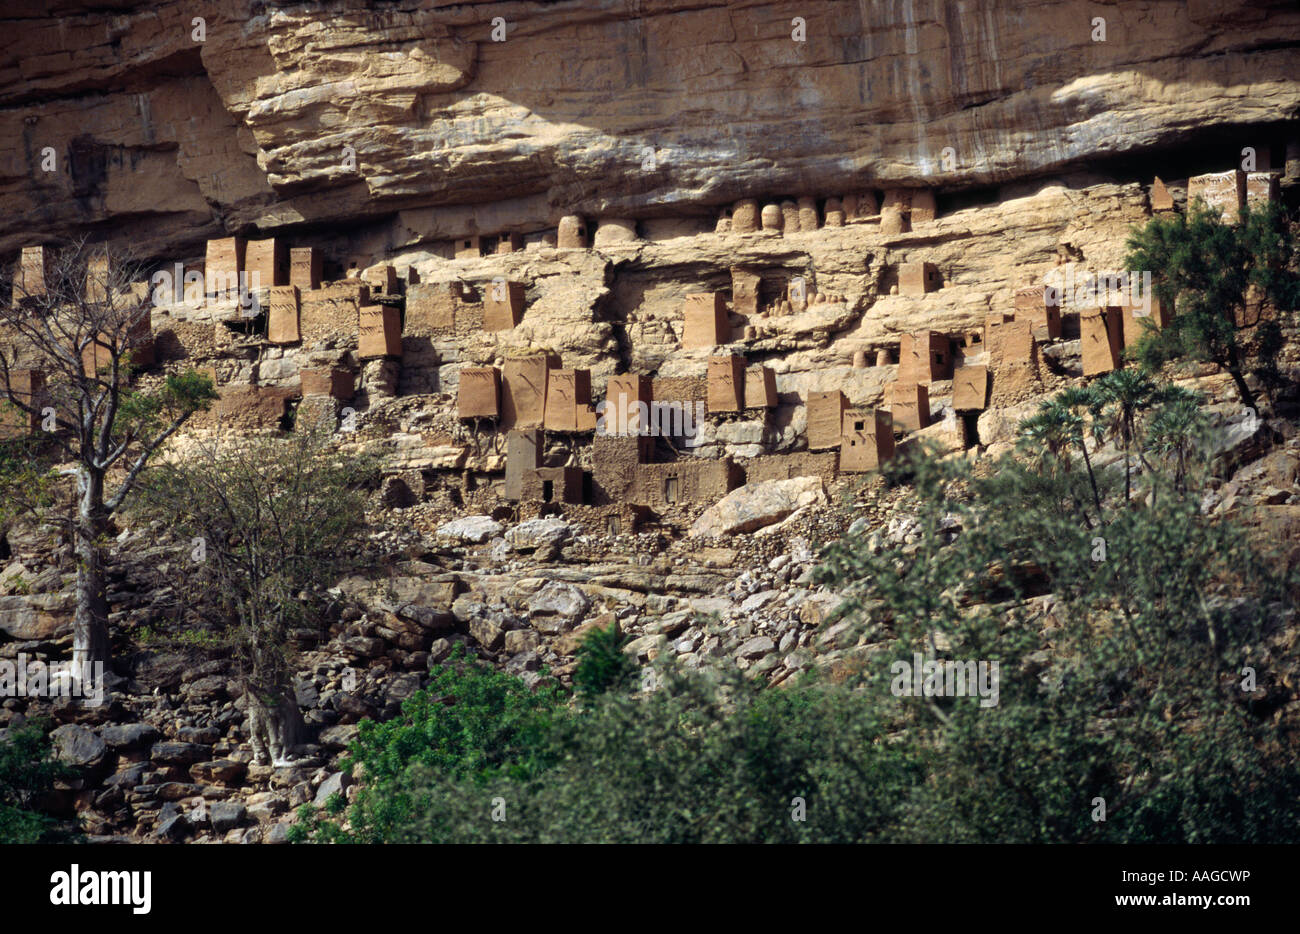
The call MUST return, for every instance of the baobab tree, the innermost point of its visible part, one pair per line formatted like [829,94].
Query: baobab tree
[72,338]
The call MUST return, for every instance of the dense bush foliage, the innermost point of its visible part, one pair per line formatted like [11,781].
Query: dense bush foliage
[602,663]
[27,769]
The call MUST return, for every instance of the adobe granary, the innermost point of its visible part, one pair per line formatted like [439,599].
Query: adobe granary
[993,325]
[1016,363]
[868,440]
[1162,202]
[28,387]
[726,384]
[503,305]
[705,321]
[478,394]
[625,396]
[305,265]
[222,266]
[924,357]
[99,353]
[384,280]
[909,405]
[760,388]
[1224,192]
[825,416]
[1099,332]
[1042,310]
[923,209]
[282,323]
[335,382]
[568,401]
[1261,188]
[380,328]
[266,262]
[523,397]
[1133,314]
[918,278]
[523,454]
[970,388]
[31,274]
[614,232]
[895,211]
[745,216]
[745,285]
[572,233]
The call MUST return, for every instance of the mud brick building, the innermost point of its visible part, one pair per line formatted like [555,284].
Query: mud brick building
[868,439]
[28,386]
[616,460]
[760,388]
[705,321]
[282,316]
[305,264]
[332,381]
[909,405]
[380,332]
[692,480]
[266,262]
[479,392]
[824,464]
[524,384]
[523,455]
[222,265]
[918,278]
[726,384]
[745,286]
[503,305]
[431,308]
[825,412]
[1043,312]
[572,233]
[568,401]
[1099,332]
[1224,192]
[622,395]
[970,388]
[924,357]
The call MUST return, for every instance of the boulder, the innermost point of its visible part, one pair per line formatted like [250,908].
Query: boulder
[558,601]
[129,735]
[755,505]
[37,617]
[78,746]
[227,815]
[472,529]
[336,784]
[537,533]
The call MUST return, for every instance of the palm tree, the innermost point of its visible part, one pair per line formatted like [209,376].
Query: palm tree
[1175,430]
[1051,432]
[1118,397]
[1077,400]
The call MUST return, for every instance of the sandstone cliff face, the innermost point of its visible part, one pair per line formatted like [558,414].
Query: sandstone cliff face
[654,108]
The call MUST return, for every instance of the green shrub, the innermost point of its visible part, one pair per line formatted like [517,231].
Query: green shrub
[472,723]
[27,768]
[602,663]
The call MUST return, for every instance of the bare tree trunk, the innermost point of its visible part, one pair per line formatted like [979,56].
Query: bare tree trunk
[275,724]
[1239,379]
[90,625]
